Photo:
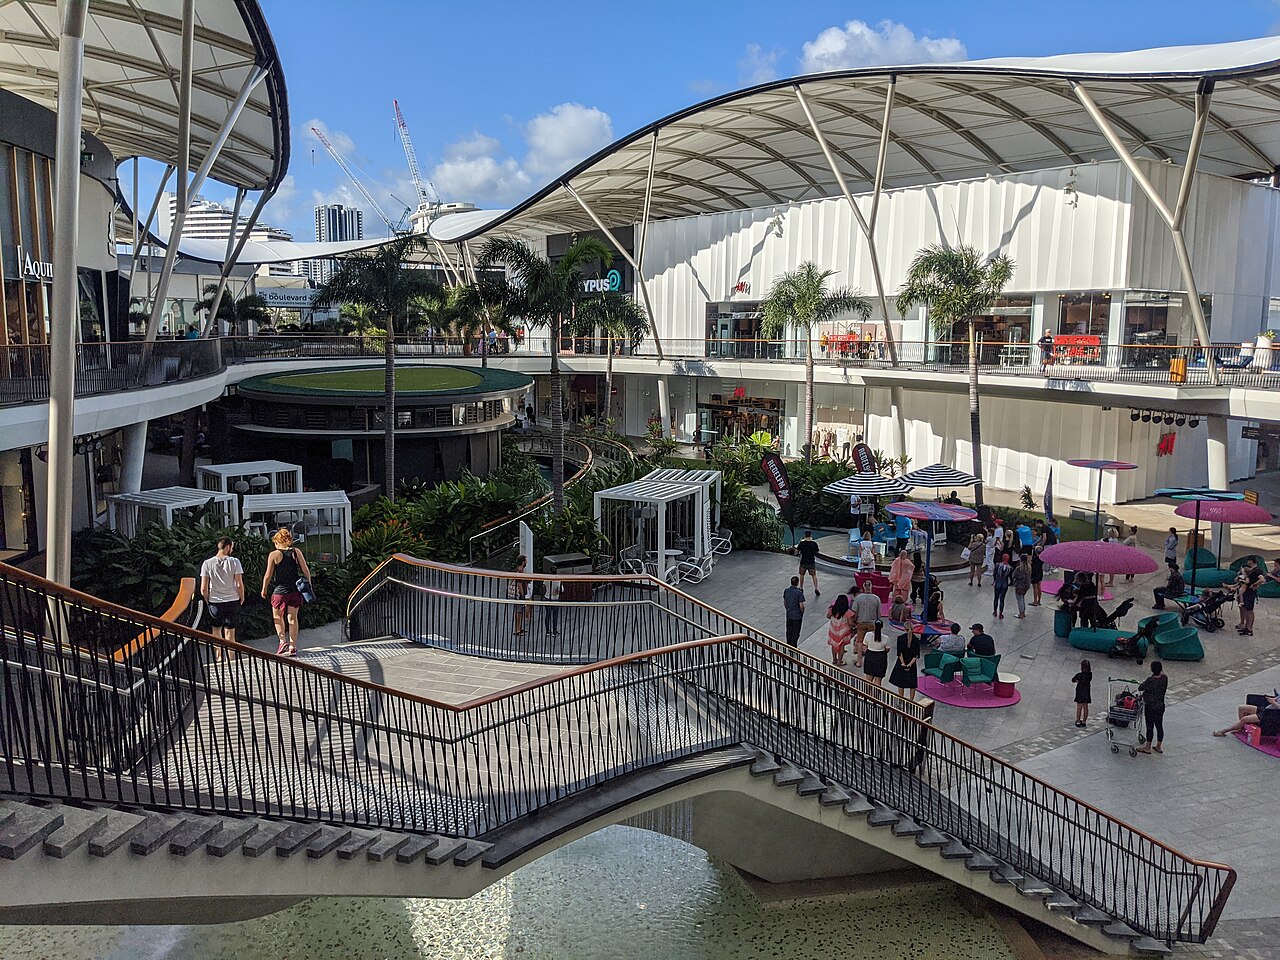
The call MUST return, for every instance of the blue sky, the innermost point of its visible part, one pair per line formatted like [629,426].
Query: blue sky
[503,96]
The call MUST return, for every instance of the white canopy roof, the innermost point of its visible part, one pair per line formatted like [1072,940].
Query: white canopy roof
[648,491]
[295,502]
[131,63]
[173,497]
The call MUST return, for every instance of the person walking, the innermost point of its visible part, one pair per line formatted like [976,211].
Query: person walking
[866,613]
[1045,343]
[555,589]
[222,586]
[902,532]
[917,577]
[1020,581]
[900,573]
[522,590]
[866,553]
[793,602]
[905,675]
[1083,679]
[875,656]
[1171,547]
[977,557]
[1037,576]
[1000,582]
[839,628]
[1153,690]
[807,550]
[993,541]
[285,567]
[1131,541]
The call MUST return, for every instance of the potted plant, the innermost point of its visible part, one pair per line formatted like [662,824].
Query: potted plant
[1264,350]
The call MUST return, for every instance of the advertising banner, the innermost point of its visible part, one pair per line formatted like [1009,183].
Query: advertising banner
[863,459]
[776,473]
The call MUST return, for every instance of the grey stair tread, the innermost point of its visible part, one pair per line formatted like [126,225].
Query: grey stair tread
[157,831]
[859,805]
[1147,945]
[1007,874]
[906,827]
[811,785]
[192,834]
[932,837]
[471,851]
[882,817]
[446,849]
[329,840]
[360,839]
[834,796]
[955,850]
[386,845]
[1121,930]
[264,838]
[1090,915]
[1058,900]
[980,861]
[296,838]
[764,766]
[28,827]
[120,829]
[231,837]
[1031,887]
[788,775]
[415,848]
[78,826]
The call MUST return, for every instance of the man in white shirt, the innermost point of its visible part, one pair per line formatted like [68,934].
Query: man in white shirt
[222,586]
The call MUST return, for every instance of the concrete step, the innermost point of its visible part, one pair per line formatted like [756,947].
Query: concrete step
[154,834]
[788,775]
[471,851]
[231,837]
[1148,947]
[360,841]
[264,838]
[1121,930]
[297,837]
[1007,874]
[121,828]
[329,840]
[763,764]
[26,827]
[1031,887]
[979,861]
[1057,900]
[931,838]
[906,827]
[446,849]
[415,848]
[386,845]
[78,827]
[834,796]
[811,785]
[1091,916]
[882,816]
[194,833]
[858,805]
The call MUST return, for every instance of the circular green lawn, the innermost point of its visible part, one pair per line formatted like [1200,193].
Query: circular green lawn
[371,380]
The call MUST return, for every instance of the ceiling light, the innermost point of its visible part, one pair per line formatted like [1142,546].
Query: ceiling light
[1134,415]
[1146,416]
[1168,419]
[1195,422]
[1181,420]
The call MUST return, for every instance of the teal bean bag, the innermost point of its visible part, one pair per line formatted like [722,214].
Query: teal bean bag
[1102,641]
[1180,644]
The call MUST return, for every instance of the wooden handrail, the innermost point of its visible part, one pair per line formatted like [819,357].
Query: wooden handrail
[181,603]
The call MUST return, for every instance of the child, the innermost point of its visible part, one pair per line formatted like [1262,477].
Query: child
[899,612]
[1082,680]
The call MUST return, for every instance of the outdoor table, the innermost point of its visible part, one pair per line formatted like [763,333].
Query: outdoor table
[1004,685]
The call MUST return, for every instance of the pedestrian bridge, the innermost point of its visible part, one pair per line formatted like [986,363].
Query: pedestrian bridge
[153,773]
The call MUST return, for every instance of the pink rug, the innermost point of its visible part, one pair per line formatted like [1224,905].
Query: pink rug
[1270,747]
[1051,588]
[956,694]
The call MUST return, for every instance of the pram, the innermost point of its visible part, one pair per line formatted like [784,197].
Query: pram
[1128,646]
[1204,612]
[1124,715]
[1107,621]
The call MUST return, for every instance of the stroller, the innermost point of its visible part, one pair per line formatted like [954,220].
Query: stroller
[1128,647]
[1107,621]
[1205,612]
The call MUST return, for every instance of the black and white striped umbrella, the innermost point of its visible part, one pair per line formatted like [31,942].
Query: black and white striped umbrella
[867,485]
[939,475]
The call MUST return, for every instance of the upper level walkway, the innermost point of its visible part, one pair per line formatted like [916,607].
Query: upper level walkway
[649,697]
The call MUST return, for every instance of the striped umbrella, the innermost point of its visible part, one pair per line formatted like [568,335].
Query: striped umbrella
[930,511]
[939,475]
[867,485]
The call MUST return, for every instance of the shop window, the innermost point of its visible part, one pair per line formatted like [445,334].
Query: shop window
[1084,314]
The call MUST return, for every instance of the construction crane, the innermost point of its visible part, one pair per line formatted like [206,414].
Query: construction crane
[364,192]
[424,200]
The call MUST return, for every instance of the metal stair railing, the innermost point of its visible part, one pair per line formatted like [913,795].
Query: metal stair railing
[269,736]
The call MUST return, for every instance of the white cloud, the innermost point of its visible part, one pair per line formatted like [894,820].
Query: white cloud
[282,206]
[341,142]
[757,65]
[858,44]
[480,169]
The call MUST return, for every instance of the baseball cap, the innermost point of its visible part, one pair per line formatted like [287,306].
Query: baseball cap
[976,626]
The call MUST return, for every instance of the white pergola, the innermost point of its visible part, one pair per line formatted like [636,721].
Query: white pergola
[311,514]
[644,519]
[281,477]
[710,481]
[127,512]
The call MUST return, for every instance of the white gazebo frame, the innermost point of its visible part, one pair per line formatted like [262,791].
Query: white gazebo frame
[661,497]
[128,511]
[281,477]
[328,510]
[711,481]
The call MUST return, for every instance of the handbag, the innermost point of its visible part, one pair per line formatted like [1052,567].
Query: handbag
[304,588]
[966,553]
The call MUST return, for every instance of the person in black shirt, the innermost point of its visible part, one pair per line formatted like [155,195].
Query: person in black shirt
[1045,343]
[980,644]
[1153,690]
[807,549]
[1083,680]
[1247,592]
[793,600]
[1175,587]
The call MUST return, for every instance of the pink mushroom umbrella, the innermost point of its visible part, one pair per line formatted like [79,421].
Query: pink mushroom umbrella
[1220,511]
[1099,556]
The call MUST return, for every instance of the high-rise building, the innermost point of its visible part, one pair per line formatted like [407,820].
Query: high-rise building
[334,222]
[209,220]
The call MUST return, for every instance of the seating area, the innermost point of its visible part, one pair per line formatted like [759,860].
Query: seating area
[1215,576]
[941,670]
[666,524]
[1104,641]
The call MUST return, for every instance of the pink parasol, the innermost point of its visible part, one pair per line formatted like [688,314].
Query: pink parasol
[1223,511]
[1099,556]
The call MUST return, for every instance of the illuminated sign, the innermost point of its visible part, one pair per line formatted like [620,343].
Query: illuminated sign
[29,269]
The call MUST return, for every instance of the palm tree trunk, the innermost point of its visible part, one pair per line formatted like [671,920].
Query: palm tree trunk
[975,418]
[389,412]
[808,395]
[557,422]
[484,350]
[608,379]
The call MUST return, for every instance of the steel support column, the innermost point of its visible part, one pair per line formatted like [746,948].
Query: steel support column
[1173,218]
[151,215]
[1218,453]
[65,300]
[211,321]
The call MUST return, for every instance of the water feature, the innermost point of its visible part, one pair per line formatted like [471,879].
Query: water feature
[620,894]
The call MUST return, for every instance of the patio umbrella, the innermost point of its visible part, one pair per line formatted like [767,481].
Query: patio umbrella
[1199,496]
[1098,556]
[1220,511]
[1101,465]
[939,475]
[927,510]
[867,485]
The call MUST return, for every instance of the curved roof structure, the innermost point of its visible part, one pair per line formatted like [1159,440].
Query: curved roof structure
[955,121]
[131,63]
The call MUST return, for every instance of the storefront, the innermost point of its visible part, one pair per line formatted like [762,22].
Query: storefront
[734,414]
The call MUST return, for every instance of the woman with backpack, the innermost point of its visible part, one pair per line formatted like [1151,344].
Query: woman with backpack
[285,567]
[1020,580]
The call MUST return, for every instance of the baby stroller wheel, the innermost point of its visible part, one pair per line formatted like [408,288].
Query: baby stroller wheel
[1218,623]
[1114,748]
[1133,752]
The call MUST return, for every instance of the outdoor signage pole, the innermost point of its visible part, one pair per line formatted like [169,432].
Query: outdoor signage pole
[775,471]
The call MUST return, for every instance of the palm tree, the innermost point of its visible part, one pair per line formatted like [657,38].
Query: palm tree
[545,294]
[801,298]
[955,285]
[358,320]
[379,280]
[249,308]
[621,318]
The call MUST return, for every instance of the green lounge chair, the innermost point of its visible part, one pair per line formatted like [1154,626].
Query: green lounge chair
[1162,621]
[1181,644]
[1104,641]
[980,670]
[943,667]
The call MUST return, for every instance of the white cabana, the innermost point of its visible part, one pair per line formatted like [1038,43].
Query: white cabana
[126,512]
[320,519]
[281,477]
[644,519]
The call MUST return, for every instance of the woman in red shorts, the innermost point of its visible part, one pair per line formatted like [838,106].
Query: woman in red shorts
[285,566]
